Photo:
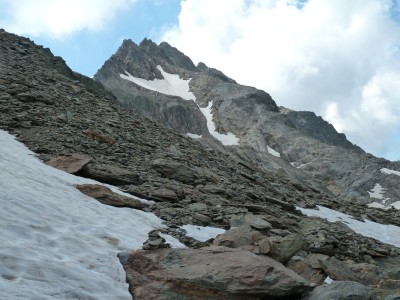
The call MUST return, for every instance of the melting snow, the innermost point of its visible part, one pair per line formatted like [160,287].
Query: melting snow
[273,152]
[171,85]
[193,135]
[377,192]
[200,233]
[57,242]
[226,139]
[388,171]
[388,234]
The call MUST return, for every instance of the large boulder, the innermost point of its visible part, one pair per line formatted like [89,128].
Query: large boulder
[175,170]
[71,163]
[112,174]
[209,273]
[106,196]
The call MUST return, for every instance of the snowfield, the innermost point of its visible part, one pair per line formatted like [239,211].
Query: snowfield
[388,234]
[171,85]
[201,233]
[57,243]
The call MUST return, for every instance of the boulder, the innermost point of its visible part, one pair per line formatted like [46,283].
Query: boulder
[309,268]
[175,170]
[112,174]
[341,290]
[71,163]
[209,273]
[235,237]
[288,247]
[163,194]
[106,196]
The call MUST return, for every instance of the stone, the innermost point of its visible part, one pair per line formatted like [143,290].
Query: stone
[288,247]
[164,194]
[175,170]
[111,174]
[257,222]
[341,290]
[235,237]
[309,268]
[71,163]
[104,195]
[209,273]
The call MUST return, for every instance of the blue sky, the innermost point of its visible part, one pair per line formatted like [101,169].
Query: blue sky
[338,58]
[85,51]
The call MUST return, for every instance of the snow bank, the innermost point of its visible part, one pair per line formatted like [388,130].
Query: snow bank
[377,192]
[226,139]
[388,234]
[388,171]
[200,233]
[55,241]
[171,85]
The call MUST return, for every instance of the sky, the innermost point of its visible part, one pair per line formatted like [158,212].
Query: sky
[337,58]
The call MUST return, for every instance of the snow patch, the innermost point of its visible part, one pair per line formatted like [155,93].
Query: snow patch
[171,85]
[194,136]
[273,152]
[388,171]
[201,233]
[226,139]
[57,242]
[328,280]
[388,234]
[377,192]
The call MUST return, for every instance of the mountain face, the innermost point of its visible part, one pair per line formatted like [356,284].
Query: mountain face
[246,119]
[205,151]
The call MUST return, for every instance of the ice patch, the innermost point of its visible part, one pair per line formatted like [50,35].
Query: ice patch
[201,233]
[388,171]
[226,139]
[388,234]
[57,242]
[273,152]
[171,85]
[194,136]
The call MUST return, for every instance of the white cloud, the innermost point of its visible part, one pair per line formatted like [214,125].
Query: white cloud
[338,58]
[58,18]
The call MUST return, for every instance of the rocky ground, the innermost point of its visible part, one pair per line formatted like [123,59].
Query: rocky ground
[71,122]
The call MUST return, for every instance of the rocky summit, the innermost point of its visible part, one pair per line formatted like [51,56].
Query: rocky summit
[208,152]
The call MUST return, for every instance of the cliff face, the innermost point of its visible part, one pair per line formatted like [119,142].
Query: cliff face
[246,119]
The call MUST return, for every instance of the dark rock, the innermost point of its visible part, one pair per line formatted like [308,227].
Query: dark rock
[175,170]
[341,290]
[111,174]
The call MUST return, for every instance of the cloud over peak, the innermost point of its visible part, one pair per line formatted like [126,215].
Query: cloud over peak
[338,58]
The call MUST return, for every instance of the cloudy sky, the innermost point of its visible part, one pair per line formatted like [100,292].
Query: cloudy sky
[338,58]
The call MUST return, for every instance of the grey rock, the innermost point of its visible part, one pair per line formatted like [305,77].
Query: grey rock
[175,170]
[209,273]
[341,290]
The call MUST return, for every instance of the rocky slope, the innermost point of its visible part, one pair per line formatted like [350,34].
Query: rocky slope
[301,138]
[73,123]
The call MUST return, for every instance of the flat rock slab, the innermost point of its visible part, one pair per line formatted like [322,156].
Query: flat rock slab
[106,196]
[112,174]
[72,163]
[209,273]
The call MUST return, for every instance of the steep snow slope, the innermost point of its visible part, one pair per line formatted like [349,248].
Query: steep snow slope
[55,241]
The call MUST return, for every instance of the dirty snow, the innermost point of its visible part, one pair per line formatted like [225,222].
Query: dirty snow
[193,135]
[201,233]
[57,242]
[273,152]
[388,171]
[171,85]
[388,234]
[226,139]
